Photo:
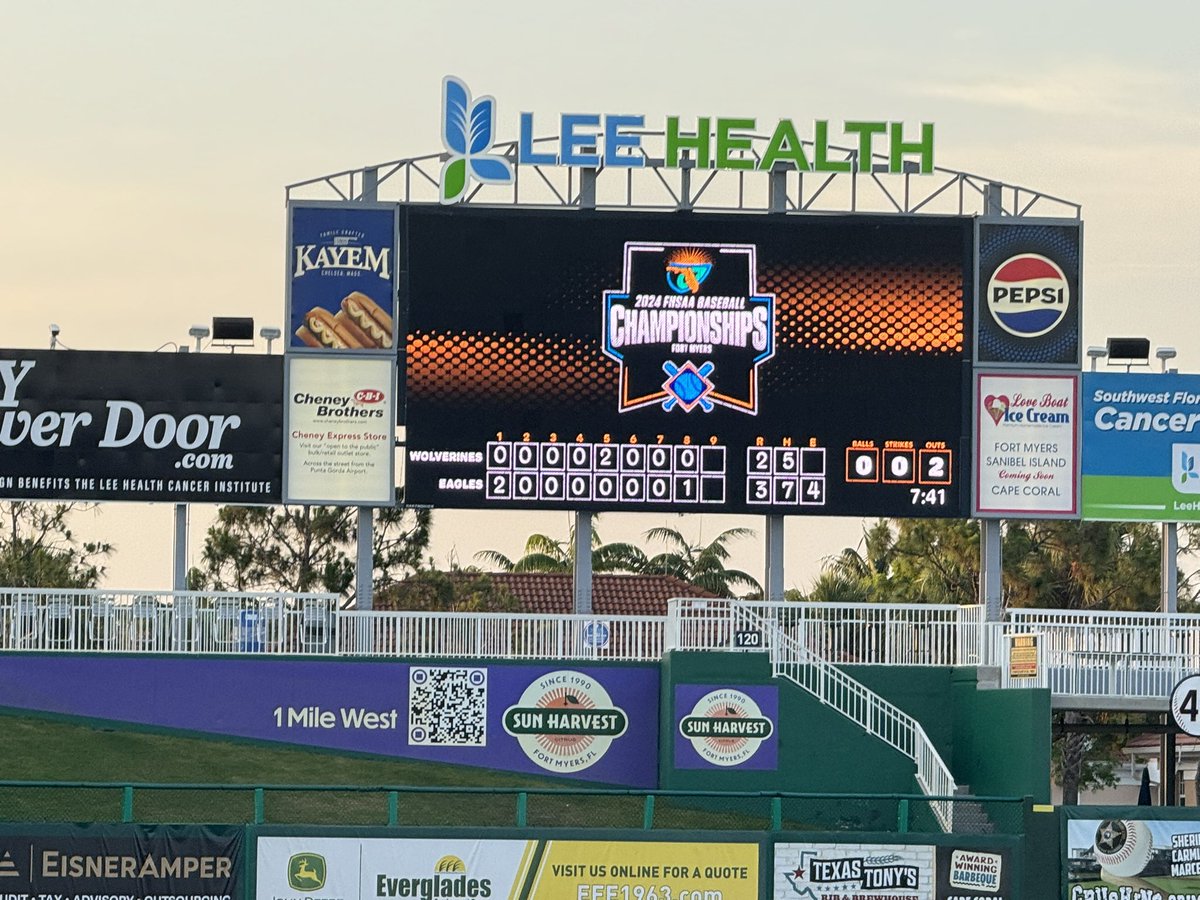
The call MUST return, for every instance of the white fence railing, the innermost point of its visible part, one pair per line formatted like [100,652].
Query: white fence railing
[166,621]
[506,635]
[841,633]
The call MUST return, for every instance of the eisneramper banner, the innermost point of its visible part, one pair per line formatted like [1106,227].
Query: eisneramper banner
[129,861]
[174,427]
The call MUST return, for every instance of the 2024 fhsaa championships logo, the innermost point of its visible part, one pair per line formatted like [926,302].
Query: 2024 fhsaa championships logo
[565,721]
[726,727]
[689,327]
[1028,295]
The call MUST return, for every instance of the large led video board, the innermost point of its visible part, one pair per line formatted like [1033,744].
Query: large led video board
[687,362]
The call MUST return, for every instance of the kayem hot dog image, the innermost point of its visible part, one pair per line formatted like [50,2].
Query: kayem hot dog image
[360,323]
[369,317]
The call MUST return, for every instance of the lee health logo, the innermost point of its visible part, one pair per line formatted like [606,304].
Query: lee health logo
[1028,295]
[1185,468]
[468,132]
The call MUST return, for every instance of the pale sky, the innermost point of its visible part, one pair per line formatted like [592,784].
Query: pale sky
[147,146]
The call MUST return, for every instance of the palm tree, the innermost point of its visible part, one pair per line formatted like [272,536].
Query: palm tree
[701,565]
[543,553]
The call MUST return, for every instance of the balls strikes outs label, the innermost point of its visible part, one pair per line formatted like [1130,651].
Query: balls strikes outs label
[1028,295]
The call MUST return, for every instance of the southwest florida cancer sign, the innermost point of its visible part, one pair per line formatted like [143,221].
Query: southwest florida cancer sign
[322,868]
[586,723]
[1141,447]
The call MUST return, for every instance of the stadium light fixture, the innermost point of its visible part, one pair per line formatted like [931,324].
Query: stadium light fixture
[199,332]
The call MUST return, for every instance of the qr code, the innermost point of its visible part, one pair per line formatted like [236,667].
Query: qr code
[447,707]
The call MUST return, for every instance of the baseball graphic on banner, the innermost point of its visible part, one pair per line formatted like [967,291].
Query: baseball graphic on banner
[1123,847]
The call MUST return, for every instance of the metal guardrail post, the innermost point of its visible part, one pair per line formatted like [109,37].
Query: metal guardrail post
[902,816]
[522,809]
[393,808]
[648,813]
[260,806]
[776,813]
[127,803]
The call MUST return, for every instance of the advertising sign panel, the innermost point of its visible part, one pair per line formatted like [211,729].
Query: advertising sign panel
[175,427]
[1029,297]
[716,363]
[1026,454]
[1141,447]
[342,277]
[121,861]
[723,727]
[974,874]
[1147,859]
[835,871]
[324,868]
[340,438]
[588,723]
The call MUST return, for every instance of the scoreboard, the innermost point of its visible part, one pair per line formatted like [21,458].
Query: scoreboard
[687,362]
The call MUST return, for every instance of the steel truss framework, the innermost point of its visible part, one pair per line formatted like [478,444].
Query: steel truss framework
[655,186]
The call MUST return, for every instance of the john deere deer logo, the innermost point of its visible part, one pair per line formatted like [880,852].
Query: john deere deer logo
[306,872]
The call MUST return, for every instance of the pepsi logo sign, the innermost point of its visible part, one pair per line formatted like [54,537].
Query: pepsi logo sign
[1028,295]
[368,395]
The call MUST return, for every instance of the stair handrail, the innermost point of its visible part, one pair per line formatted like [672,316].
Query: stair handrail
[876,715]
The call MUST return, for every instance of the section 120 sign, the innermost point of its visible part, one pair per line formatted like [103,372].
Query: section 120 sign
[633,361]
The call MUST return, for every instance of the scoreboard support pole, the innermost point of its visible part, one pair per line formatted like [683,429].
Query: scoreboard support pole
[181,533]
[364,565]
[989,570]
[582,570]
[773,575]
[582,578]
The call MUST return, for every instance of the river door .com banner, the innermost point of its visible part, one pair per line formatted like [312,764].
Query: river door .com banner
[172,427]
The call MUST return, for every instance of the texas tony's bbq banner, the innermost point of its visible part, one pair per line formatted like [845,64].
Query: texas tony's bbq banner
[173,427]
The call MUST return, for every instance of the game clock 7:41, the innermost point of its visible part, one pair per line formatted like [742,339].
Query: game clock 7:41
[934,496]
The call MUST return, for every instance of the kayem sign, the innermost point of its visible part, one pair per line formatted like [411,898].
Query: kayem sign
[1026,448]
[171,427]
[1141,447]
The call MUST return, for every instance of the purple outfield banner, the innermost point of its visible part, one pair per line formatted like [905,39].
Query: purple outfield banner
[587,723]
[724,727]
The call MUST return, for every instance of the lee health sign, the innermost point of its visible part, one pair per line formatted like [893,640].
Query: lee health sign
[1141,447]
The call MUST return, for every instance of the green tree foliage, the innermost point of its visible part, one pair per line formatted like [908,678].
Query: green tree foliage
[704,565]
[307,548]
[543,553]
[38,549]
